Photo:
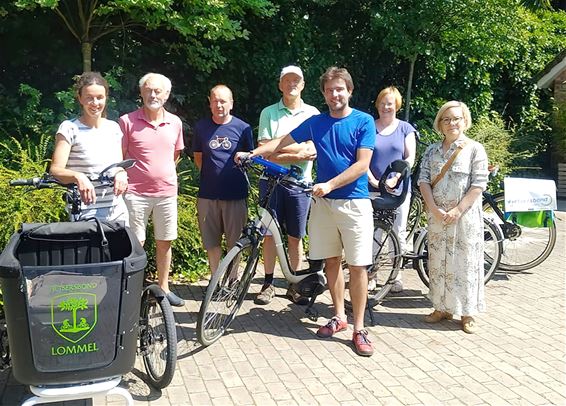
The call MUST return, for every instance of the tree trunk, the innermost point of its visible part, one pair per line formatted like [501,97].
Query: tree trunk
[86,49]
[412,61]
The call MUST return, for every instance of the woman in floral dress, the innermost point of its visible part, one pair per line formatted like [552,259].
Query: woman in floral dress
[455,224]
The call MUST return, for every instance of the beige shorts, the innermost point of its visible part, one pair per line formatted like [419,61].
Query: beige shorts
[217,217]
[337,225]
[163,211]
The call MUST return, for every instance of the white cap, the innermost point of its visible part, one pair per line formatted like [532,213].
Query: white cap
[291,69]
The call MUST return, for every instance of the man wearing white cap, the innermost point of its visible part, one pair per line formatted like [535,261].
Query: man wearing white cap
[291,206]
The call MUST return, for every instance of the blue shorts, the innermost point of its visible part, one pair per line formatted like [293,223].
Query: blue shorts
[291,208]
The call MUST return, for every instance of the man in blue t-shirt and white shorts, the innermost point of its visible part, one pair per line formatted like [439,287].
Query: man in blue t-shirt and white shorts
[341,212]
[223,189]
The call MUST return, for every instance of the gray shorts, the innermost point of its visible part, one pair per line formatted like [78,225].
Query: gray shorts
[218,217]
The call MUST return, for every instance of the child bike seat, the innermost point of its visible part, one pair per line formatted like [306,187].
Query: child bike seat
[391,199]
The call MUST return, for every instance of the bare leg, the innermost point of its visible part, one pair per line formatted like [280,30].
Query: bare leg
[214,254]
[295,251]
[358,294]
[336,285]
[163,260]
[269,255]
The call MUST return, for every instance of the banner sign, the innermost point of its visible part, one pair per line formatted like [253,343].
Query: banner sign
[522,194]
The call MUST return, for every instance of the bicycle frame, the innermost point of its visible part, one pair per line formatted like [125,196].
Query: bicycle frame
[264,222]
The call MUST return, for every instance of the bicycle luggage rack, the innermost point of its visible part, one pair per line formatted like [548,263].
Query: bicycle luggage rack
[72,295]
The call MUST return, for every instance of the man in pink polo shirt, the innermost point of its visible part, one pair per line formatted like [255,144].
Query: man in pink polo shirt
[154,138]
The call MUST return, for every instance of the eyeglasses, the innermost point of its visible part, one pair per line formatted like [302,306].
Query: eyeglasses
[452,120]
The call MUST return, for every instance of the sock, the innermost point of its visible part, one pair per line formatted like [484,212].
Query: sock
[268,279]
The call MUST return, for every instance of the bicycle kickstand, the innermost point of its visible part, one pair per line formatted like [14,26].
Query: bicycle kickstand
[310,311]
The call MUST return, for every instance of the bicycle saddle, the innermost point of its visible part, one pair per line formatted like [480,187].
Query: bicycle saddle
[387,200]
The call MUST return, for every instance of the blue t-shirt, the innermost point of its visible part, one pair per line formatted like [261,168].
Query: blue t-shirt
[389,148]
[337,141]
[220,179]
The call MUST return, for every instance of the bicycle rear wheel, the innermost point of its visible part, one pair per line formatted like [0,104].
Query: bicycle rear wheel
[226,291]
[416,217]
[158,337]
[386,262]
[523,247]
[493,249]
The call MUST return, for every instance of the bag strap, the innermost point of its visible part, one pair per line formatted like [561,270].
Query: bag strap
[448,164]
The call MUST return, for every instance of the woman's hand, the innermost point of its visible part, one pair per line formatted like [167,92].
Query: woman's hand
[452,216]
[86,189]
[120,182]
[438,213]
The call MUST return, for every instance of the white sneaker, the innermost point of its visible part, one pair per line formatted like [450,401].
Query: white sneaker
[397,287]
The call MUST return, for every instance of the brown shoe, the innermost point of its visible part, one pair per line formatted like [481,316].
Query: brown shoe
[437,316]
[468,324]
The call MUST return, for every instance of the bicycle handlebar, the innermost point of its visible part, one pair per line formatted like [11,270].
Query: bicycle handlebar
[292,176]
[47,181]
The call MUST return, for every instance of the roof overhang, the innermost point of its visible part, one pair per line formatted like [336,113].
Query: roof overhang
[547,79]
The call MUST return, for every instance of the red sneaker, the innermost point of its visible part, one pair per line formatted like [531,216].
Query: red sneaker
[362,343]
[334,325]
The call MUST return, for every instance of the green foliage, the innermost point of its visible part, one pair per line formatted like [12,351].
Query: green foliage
[491,133]
[24,115]
[18,204]
[197,22]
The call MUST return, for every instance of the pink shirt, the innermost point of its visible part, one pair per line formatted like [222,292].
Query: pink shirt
[153,147]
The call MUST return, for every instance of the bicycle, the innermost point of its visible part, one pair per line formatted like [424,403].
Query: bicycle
[156,336]
[416,218]
[524,247]
[387,250]
[231,281]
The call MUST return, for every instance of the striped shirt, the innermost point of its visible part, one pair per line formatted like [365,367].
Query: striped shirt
[92,150]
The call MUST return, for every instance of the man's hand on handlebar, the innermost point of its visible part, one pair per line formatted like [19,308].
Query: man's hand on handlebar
[242,157]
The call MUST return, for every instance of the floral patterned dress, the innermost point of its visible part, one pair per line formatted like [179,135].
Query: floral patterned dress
[456,251]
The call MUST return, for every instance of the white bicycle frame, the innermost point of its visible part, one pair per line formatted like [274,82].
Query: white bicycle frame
[266,222]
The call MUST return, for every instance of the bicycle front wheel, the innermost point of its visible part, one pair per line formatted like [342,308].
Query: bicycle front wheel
[226,291]
[158,337]
[386,262]
[523,247]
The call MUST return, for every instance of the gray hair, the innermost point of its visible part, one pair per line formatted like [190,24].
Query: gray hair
[165,81]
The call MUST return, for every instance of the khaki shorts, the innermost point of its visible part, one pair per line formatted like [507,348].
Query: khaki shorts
[163,211]
[341,224]
[217,217]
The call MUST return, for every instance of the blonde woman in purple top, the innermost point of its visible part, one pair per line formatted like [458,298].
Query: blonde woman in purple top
[395,139]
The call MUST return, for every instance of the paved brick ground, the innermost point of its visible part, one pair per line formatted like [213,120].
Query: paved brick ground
[272,356]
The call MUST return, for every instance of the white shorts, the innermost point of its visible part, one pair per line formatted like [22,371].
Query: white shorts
[337,225]
[164,216]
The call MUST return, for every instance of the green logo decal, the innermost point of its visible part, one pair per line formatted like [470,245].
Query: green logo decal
[74,315]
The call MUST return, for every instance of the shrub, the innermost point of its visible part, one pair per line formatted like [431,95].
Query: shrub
[18,204]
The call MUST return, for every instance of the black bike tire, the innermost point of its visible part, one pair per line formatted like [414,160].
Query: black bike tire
[421,253]
[416,210]
[506,263]
[205,334]
[495,235]
[154,294]
[376,296]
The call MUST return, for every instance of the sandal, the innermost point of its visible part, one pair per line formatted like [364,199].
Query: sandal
[437,316]
[468,324]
